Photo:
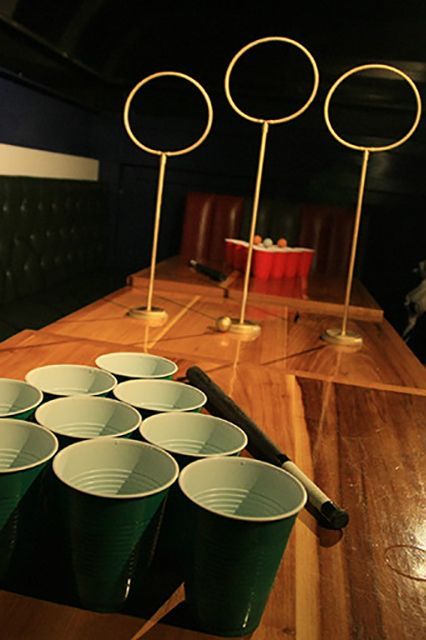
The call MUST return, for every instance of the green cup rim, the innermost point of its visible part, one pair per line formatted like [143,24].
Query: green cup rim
[31,426]
[100,362]
[33,372]
[41,420]
[123,442]
[150,407]
[193,416]
[246,461]
[28,407]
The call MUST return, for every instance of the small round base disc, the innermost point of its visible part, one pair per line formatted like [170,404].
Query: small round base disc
[155,317]
[245,330]
[348,339]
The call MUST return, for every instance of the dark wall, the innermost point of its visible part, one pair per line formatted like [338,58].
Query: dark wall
[33,118]
[303,163]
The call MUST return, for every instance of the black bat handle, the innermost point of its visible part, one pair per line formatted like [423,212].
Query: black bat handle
[221,405]
[214,274]
[260,446]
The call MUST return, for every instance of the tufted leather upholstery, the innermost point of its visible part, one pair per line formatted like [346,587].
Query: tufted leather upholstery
[275,219]
[53,249]
[210,218]
[327,229]
[50,231]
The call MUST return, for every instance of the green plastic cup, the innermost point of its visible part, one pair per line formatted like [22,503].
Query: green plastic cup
[243,513]
[125,365]
[159,396]
[25,450]
[115,489]
[73,419]
[187,437]
[18,399]
[191,436]
[70,380]
[78,418]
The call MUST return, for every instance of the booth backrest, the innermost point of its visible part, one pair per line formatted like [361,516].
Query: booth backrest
[50,231]
[210,218]
[328,229]
[275,219]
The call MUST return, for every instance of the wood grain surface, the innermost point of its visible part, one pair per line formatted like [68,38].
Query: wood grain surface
[290,341]
[319,293]
[353,421]
[365,448]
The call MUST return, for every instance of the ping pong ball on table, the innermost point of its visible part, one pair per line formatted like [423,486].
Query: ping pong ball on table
[223,323]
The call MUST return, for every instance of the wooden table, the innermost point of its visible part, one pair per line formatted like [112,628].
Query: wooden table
[319,293]
[352,420]
[290,341]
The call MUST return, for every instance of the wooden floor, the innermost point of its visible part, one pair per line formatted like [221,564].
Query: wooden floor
[353,420]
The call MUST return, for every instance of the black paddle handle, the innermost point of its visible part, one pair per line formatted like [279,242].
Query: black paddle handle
[260,446]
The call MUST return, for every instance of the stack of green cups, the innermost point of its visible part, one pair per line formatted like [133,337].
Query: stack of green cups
[115,489]
[73,419]
[159,396]
[25,450]
[18,399]
[128,365]
[187,437]
[57,380]
[192,436]
[76,418]
[243,513]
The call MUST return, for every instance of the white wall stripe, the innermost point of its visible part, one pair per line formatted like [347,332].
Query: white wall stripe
[23,161]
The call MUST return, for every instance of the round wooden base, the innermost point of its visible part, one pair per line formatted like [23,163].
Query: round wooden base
[245,330]
[154,317]
[348,339]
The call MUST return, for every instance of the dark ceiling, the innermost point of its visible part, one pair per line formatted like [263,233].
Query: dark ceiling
[94,51]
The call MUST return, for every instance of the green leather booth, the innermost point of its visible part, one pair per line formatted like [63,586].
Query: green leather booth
[55,250]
